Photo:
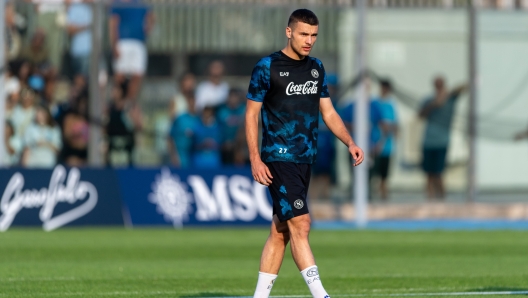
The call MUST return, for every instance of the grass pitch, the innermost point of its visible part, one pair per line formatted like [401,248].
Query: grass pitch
[224,262]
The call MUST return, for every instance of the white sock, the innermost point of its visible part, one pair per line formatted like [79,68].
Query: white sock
[264,284]
[312,279]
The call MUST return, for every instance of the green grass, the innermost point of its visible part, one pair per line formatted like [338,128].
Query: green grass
[169,263]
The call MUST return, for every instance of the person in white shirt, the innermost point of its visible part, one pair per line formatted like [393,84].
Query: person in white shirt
[214,91]
[23,113]
[13,145]
[42,140]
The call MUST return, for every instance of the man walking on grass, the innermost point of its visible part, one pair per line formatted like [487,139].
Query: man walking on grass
[289,89]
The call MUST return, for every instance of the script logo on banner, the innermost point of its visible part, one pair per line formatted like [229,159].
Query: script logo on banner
[171,197]
[63,188]
[231,198]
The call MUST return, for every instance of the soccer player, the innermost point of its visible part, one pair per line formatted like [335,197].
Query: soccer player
[289,88]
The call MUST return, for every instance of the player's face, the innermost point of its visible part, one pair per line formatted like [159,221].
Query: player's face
[302,37]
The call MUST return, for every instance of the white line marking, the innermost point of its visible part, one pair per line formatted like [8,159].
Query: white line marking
[392,295]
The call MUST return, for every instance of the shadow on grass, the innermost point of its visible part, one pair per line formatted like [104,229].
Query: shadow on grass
[501,289]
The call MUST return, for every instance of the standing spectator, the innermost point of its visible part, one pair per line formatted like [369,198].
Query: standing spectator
[181,136]
[124,119]
[13,145]
[37,54]
[388,128]
[24,113]
[130,23]
[179,104]
[206,154]
[438,111]
[13,38]
[231,118]
[214,90]
[42,141]
[78,24]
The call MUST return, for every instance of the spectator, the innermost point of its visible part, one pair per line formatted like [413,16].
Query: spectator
[13,145]
[130,23]
[12,89]
[206,153]
[181,136]
[13,38]
[231,116]
[37,54]
[42,141]
[24,113]
[179,104]
[438,111]
[75,135]
[78,25]
[214,91]
[388,131]
[124,119]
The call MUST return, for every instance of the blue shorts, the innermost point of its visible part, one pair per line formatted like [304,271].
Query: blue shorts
[434,160]
[289,188]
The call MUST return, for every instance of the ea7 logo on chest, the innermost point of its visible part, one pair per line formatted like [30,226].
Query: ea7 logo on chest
[310,87]
[284,74]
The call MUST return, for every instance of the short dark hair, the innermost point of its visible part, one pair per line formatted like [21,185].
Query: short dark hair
[303,15]
[386,83]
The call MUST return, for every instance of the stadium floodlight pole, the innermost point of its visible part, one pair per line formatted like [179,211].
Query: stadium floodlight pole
[95,104]
[3,149]
[361,115]
[473,81]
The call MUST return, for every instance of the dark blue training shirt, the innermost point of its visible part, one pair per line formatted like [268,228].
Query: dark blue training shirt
[131,19]
[290,91]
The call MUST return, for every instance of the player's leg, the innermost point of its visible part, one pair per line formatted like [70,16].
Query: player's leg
[272,256]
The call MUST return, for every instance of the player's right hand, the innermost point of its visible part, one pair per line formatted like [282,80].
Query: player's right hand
[261,173]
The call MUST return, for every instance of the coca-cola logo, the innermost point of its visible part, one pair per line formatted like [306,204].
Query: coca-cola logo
[310,87]
[63,188]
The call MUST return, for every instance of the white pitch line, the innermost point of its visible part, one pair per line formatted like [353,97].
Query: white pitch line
[392,295]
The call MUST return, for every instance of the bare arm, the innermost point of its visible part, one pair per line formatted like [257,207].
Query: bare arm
[173,152]
[113,33]
[335,124]
[149,22]
[260,171]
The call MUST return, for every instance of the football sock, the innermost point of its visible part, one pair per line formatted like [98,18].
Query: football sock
[264,284]
[311,277]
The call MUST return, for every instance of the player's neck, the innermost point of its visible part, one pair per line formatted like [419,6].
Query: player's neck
[288,51]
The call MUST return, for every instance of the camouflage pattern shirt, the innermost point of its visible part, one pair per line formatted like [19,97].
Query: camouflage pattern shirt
[290,91]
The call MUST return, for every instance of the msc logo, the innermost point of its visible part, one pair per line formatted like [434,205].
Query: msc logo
[284,74]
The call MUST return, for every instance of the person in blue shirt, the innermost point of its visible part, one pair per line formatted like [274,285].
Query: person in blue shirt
[438,111]
[206,142]
[79,22]
[231,121]
[130,23]
[288,88]
[181,137]
[388,127]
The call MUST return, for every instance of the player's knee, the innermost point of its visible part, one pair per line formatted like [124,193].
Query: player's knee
[299,227]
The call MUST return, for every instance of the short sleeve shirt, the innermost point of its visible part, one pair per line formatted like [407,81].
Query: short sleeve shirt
[290,91]
[132,16]
[438,128]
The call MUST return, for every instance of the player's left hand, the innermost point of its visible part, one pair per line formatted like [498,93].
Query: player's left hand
[357,154]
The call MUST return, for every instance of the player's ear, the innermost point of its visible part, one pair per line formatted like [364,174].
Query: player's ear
[288,32]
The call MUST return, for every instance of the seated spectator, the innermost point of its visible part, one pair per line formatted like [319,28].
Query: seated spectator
[124,119]
[42,141]
[231,118]
[13,145]
[24,113]
[181,136]
[75,134]
[214,91]
[206,154]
